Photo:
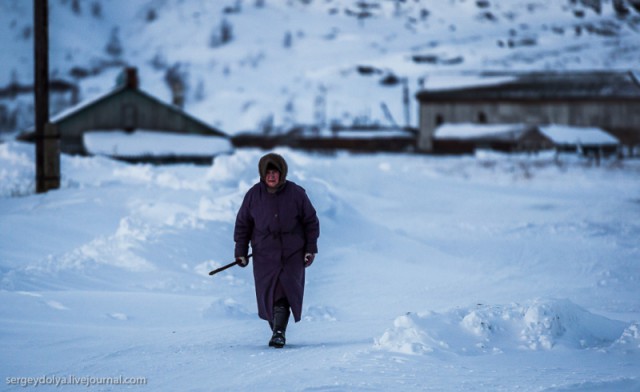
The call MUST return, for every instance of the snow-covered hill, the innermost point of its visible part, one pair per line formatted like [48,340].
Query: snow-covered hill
[247,65]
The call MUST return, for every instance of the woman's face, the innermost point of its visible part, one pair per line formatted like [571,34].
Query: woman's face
[272,178]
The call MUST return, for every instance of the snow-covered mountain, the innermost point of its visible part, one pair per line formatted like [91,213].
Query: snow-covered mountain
[247,65]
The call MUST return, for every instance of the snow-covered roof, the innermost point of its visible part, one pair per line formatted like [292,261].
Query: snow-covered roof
[469,131]
[558,134]
[373,133]
[564,134]
[451,81]
[119,143]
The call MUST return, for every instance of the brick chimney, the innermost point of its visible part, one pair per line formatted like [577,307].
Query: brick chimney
[128,78]
[132,77]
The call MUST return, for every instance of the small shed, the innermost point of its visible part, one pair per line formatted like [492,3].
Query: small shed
[125,109]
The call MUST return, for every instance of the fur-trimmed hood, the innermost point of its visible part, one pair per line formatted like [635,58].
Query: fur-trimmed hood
[276,161]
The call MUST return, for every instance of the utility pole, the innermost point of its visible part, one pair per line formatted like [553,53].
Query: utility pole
[406,102]
[47,139]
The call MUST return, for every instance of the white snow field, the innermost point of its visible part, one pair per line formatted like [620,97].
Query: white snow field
[481,273]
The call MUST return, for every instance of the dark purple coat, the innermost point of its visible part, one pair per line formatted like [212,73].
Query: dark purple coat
[281,228]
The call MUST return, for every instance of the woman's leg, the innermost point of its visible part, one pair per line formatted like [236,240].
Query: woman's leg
[281,315]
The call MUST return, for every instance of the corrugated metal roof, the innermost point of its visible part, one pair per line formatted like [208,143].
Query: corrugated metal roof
[546,86]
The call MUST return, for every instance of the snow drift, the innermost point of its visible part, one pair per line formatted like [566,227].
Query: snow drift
[486,329]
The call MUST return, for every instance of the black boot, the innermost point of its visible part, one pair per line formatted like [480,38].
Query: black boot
[280,321]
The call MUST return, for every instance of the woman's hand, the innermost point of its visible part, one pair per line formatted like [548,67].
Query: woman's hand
[308,259]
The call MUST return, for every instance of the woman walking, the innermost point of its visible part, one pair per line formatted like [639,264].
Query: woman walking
[278,220]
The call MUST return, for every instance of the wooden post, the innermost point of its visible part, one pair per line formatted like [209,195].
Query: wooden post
[47,145]
[51,158]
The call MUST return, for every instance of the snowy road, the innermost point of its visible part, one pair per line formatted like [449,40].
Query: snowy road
[486,273]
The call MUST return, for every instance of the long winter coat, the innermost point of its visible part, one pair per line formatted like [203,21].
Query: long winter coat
[281,226]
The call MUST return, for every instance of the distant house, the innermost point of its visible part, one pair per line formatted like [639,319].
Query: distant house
[606,100]
[126,109]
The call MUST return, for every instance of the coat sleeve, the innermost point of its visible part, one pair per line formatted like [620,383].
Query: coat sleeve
[244,227]
[311,225]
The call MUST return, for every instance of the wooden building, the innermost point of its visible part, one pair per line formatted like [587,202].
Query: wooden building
[606,100]
[354,139]
[126,108]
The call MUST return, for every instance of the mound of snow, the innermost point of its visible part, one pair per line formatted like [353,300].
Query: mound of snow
[228,170]
[484,329]
[17,169]
[629,341]
[119,250]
